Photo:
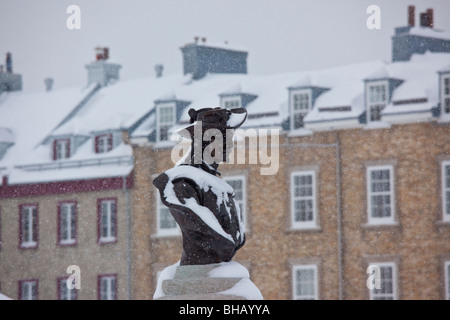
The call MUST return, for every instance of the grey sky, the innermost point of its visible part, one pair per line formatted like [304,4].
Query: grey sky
[280,36]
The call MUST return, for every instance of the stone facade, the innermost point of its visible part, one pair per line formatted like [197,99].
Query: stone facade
[50,260]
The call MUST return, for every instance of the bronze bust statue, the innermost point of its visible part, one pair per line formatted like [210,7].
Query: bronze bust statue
[200,201]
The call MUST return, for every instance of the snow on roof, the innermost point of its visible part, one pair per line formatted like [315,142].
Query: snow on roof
[429,33]
[32,116]
[120,105]
[28,119]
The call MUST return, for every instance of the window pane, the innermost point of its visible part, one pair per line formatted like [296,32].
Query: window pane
[166,221]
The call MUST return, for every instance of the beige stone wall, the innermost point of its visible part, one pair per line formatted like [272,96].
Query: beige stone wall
[50,261]
[419,243]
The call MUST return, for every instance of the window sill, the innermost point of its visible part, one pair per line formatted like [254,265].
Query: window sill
[165,236]
[304,229]
[164,144]
[384,225]
[300,132]
[442,223]
[107,240]
[377,125]
[31,245]
[67,243]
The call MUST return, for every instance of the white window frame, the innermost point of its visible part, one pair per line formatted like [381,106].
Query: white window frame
[27,213]
[231,102]
[370,103]
[299,225]
[447,279]
[72,215]
[314,268]
[243,201]
[380,220]
[102,142]
[64,292]
[62,149]
[164,232]
[394,295]
[27,285]
[109,292]
[110,237]
[445,190]
[445,95]
[168,124]
[303,111]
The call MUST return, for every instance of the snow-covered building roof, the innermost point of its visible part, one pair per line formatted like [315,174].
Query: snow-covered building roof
[76,133]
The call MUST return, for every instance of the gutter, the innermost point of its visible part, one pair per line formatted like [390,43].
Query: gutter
[128,249]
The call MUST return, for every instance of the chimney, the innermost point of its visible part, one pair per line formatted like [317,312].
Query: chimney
[9,63]
[411,16]
[48,84]
[159,69]
[101,71]
[204,40]
[426,19]
[430,18]
[102,53]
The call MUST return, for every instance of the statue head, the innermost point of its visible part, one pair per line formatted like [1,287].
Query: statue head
[211,130]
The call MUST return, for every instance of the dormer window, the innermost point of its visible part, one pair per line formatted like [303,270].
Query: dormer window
[61,149]
[376,99]
[445,94]
[300,105]
[165,120]
[231,102]
[103,143]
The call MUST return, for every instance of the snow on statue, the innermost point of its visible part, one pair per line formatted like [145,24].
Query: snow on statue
[202,203]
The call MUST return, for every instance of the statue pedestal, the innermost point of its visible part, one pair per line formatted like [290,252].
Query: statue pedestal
[220,281]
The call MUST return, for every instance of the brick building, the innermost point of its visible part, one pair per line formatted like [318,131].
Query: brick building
[362,178]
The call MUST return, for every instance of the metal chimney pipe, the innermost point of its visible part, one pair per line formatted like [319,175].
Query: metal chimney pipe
[411,16]
[48,84]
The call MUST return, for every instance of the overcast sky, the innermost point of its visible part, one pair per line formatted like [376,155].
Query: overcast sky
[280,36]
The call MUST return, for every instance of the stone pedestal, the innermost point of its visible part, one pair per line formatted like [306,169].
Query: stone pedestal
[221,281]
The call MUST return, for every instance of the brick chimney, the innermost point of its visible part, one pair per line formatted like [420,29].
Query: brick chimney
[411,16]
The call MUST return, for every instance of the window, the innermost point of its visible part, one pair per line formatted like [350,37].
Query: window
[67,231]
[445,92]
[388,279]
[28,220]
[61,149]
[238,185]
[64,293]
[380,190]
[166,224]
[166,119]
[300,106]
[107,220]
[377,98]
[107,287]
[446,191]
[103,143]
[303,200]
[305,282]
[28,289]
[447,280]
[231,102]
